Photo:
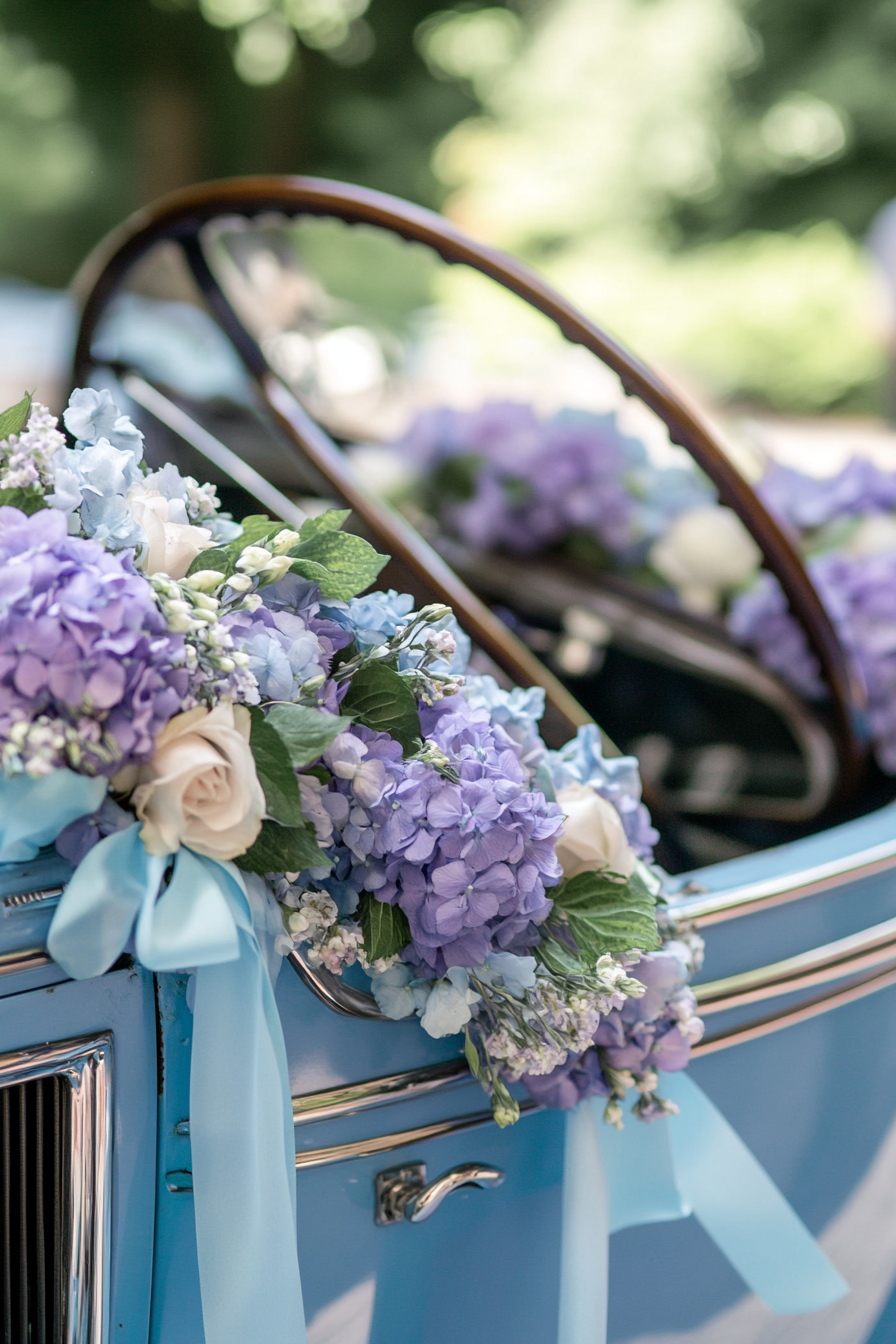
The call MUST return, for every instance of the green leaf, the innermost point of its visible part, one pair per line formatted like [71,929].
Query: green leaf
[305,732]
[275,772]
[256,526]
[472,1055]
[382,700]
[352,562]
[29,501]
[15,418]
[385,927]
[310,569]
[215,558]
[283,849]
[558,958]
[329,521]
[608,913]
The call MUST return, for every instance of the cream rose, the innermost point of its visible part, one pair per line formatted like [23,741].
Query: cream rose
[173,542]
[706,552]
[592,838]
[200,789]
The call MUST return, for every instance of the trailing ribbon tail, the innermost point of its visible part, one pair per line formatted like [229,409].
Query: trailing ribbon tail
[743,1210]
[585,1236]
[241,1129]
[690,1163]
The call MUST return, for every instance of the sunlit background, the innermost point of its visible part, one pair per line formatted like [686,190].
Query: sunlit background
[701,175]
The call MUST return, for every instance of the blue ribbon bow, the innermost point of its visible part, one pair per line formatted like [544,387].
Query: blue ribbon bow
[241,1126]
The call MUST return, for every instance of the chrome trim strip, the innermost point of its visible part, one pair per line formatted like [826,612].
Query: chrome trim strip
[27,959]
[718,907]
[866,950]
[353,1097]
[87,1065]
[331,990]
[385,1143]
[823,1003]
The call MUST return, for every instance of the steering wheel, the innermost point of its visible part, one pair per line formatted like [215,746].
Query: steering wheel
[184,218]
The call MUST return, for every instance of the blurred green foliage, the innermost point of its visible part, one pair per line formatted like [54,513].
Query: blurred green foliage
[155,101]
[835,62]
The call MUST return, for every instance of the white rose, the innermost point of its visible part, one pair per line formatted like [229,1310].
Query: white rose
[173,542]
[706,552]
[876,533]
[200,789]
[592,838]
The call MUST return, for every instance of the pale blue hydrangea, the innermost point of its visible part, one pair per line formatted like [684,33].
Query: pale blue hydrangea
[377,617]
[92,416]
[515,974]
[397,993]
[447,1009]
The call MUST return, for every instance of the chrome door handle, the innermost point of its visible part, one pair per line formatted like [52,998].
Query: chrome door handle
[402,1193]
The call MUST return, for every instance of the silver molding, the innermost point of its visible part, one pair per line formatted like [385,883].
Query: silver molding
[791,1017]
[871,949]
[718,907]
[27,959]
[333,1102]
[332,991]
[86,1063]
[385,1143]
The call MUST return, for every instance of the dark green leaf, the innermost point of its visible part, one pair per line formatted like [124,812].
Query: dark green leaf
[319,772]
[330,521]
[275,772]
[352,562]
[607,913]
[29,501]
[283,849]
[305,732]
[15,418]
[380,699]
[385,927]
[215,558]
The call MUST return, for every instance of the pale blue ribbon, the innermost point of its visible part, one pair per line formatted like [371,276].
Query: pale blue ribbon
[34,810]
[690,1163]
[241,1126]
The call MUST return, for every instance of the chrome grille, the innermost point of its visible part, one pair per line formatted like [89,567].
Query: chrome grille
[35,1210]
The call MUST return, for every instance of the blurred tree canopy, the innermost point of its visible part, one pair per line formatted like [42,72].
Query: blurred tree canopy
[106,104]
[811,129]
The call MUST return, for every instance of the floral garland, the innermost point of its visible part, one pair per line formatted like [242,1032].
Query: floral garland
[501,476]
[243,702]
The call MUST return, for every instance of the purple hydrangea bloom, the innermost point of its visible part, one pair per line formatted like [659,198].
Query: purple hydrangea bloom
[655,1031]
[810,501]
[533,481]
[79,837]
[859,593]
[82,644]
[467,862]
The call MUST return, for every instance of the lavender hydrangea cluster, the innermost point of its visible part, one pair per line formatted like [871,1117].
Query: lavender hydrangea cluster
[634,1041]
[467,862]
[807,502]
[501,476]
[89,672]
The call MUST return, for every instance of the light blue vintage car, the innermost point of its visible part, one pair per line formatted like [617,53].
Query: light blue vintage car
[420,1221]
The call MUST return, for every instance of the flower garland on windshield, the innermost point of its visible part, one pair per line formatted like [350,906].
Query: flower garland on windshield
[503,477]
[390,810]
